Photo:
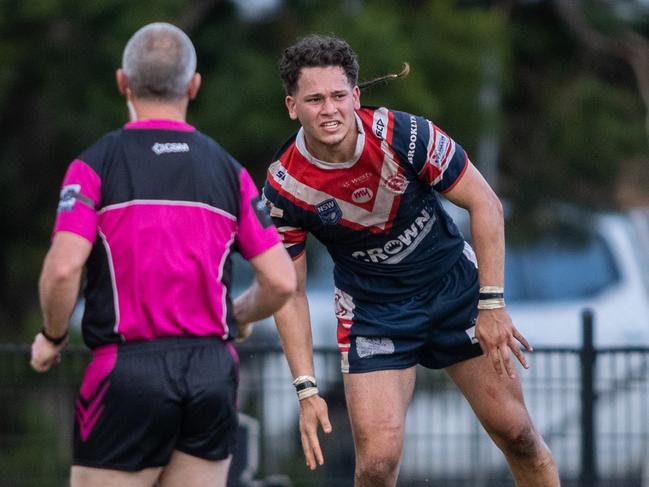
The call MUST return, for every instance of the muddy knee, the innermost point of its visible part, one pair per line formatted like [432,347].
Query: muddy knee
[521,442]
[377,469]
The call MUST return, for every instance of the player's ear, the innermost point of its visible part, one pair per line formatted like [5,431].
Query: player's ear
[194,86]
[356,95]
[122,81]
[289,101]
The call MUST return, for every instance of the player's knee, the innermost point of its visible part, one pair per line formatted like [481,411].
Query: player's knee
[522,442]
[378,438]
[377,469]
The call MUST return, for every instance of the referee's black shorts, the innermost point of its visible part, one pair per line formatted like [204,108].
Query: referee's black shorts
[140,401]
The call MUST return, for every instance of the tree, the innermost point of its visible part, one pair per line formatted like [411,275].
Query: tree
[506,78]
[623,43]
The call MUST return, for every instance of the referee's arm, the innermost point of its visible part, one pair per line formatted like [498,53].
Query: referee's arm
[58,291]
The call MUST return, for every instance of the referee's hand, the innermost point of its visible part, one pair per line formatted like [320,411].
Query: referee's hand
[245,330]
[45,353]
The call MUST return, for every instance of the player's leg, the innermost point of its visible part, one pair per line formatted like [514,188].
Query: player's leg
[377,403]
[186,470]
[499,404]
[100,477]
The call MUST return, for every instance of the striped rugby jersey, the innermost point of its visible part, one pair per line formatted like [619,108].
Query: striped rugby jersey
[378,214]
[164,206]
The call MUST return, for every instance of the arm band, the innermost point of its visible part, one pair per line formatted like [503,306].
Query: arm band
[308,392]
[305,386]
[491,296]
[492,289]
[491,303]
[51,339]
[304,378]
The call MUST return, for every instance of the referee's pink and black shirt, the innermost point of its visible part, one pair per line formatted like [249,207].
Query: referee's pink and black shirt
[164,207]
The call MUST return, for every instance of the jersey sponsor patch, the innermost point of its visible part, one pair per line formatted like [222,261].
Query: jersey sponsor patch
[259,207]
[412,141]
[395,250]
[370,346]
[69,196]
[362,195]
[396,184]
[329,211]
[442,149]
[380,123]
[357,180]
[169,147]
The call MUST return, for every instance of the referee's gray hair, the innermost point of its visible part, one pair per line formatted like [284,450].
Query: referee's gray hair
[159,61]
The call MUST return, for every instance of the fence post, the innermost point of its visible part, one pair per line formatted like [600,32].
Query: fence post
[588,354]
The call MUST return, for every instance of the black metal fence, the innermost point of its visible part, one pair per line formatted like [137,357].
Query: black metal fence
[591,405]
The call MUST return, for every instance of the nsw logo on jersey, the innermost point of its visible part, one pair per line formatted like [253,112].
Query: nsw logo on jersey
[329,211]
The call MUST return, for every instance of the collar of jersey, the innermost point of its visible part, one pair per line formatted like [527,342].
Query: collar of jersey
[160,124]
[300,143]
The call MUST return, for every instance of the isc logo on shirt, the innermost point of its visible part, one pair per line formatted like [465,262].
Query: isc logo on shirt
[169,147]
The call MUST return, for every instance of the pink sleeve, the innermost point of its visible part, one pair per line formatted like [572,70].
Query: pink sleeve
[256,230]
[80,194]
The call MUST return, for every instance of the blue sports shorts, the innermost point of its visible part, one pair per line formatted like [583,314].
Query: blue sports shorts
[435,328]
[140,401]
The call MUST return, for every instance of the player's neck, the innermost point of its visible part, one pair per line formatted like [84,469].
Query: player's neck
[154,110]
[344,151]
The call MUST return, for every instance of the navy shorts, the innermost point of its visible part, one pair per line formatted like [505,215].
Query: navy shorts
[435,328]
[140,401]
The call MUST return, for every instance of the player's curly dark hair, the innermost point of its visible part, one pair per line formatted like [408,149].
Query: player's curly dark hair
[316,51]
[320,51]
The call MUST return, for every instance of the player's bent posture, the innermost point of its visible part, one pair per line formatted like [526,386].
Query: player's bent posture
[409,289]
[153,211]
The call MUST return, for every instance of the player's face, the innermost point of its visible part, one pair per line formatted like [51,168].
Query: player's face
[324,103]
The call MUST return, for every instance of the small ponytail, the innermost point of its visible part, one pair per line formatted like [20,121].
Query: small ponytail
[387,77]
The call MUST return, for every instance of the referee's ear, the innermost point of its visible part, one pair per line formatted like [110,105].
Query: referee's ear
[122,81]
[194,86]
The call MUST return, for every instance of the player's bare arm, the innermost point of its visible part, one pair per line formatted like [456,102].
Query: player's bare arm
[294,326]
[495,331]
[58,291]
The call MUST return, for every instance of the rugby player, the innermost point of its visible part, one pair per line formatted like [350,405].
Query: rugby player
[409,290]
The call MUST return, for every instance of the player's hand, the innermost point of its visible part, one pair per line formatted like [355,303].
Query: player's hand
[45,353]
[499,339]
[313,413]
[245,330]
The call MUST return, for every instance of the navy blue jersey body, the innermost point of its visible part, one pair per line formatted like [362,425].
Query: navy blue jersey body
[378,214]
